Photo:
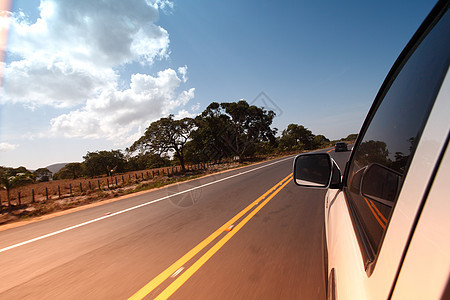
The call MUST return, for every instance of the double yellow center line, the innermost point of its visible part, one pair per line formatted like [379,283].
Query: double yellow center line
[175,267]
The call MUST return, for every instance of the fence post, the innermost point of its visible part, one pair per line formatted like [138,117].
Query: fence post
[90,187]
[116,180]
[70,188]
[107,182]
[98,181]
[123,180]
[59,192]
[32,196]
[46,194]
[81,187]
[18,196]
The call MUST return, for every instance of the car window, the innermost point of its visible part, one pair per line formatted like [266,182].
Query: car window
[380,160]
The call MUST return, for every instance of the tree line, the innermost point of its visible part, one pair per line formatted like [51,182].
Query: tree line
[223,131]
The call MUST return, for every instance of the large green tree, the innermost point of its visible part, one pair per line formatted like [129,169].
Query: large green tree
[166,136]
[207,143]
[296,137]
[232,129]
[249,125]
[43,174]
[147,160]
[104,162]
[11,178]
[319,141]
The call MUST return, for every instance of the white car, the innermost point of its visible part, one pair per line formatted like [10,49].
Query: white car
[387,218]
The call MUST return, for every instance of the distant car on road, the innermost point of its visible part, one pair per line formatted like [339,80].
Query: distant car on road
[340,146]
[386,225]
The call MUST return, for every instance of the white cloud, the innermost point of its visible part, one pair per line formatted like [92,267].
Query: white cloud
[4,147]
[183,71]
[70,53]
[57,83]
[71,56]
[195,107]
[120,115]
[108,33]
[183,114]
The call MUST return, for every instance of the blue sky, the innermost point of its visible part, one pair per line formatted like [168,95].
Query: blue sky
[77,73]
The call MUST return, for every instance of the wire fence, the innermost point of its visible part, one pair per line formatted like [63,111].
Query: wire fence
[59,189]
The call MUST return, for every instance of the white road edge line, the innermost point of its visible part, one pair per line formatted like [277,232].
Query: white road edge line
[133,208]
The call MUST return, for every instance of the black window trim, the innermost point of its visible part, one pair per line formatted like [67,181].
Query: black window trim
[368,253]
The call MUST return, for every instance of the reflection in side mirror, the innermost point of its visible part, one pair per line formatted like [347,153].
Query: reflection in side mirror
[313,170]
[380,183]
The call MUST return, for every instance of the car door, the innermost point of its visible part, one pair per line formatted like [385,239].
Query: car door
[370,221]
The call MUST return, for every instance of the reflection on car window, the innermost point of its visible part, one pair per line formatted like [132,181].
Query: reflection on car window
[387,145]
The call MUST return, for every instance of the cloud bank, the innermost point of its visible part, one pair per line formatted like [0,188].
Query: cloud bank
[115,114]
[70,56]
[5,147]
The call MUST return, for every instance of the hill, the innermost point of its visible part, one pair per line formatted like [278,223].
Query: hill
[56,167]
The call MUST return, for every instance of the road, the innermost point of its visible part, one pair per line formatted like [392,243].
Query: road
[248,233]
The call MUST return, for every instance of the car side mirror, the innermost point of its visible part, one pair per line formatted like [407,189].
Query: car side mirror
[316,170]
[380,183]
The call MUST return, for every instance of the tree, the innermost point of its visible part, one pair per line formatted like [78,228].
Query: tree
[165,136]
[351,137]
[296,137]
[104,162]
[320,140]
[70,171]
[372,152]
[147,161]
[232,129]
[206,142]
[22,179]
[42,174]
[5,181]
[249,124]
[11,178]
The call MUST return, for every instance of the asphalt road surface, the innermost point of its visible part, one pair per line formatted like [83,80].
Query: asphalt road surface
[248,233]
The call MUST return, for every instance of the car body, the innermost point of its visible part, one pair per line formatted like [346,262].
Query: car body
[340,146]
[386,215]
